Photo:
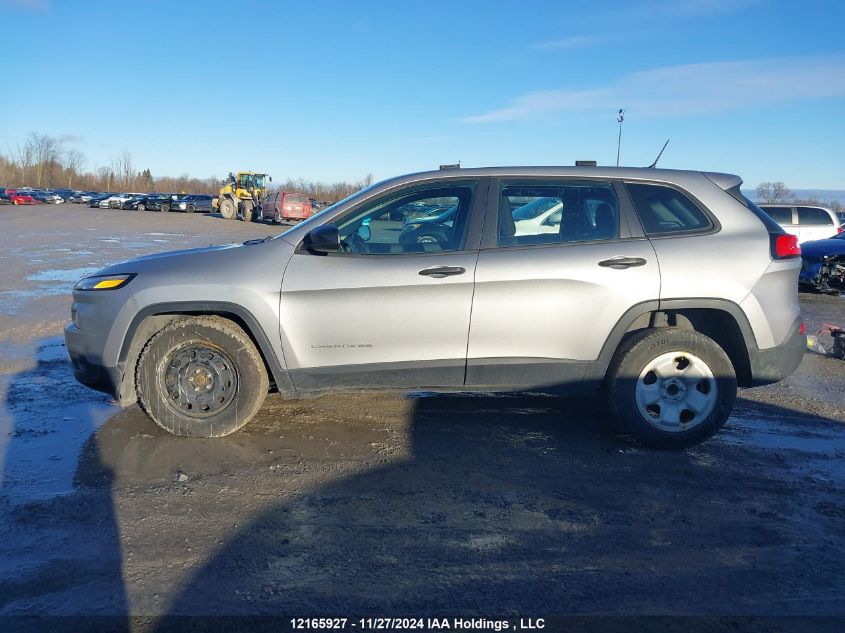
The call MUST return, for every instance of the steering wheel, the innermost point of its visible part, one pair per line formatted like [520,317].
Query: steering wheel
[355,244]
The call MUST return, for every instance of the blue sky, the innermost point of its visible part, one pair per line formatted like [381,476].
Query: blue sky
[335,90]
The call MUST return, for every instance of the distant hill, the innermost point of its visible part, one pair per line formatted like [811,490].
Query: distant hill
[809,194]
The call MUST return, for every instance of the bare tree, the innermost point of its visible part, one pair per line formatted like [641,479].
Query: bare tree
[46,152]
[74,161]
[105,175]
[773,192]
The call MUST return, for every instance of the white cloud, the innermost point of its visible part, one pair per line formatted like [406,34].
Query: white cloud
[689,89]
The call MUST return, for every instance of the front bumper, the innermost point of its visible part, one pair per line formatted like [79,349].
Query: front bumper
[776,363]
[86,356]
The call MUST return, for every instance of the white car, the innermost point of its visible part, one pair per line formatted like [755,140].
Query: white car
[104,203]
[547,222]
[806,222]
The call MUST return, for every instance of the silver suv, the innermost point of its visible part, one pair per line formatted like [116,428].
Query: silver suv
[663,290]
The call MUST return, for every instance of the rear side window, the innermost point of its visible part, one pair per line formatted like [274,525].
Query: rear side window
[666,210]
[813,216]
[781,215]
[556,213]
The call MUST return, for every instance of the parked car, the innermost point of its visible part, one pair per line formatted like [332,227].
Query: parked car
[823,265]
[193,202]
[805,221]
[5,199]
[640,315]
[135,202]
[40,197]
[162,202]
[97,199]
[21,198]
[285,205]
[53,198]
[116,202]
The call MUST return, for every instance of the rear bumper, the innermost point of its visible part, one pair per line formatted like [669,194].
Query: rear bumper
[776,363]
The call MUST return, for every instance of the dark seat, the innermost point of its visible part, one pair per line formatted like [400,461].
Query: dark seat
[606,226]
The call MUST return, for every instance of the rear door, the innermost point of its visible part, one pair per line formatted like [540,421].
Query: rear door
[546,301]
[815,224]
[390,310]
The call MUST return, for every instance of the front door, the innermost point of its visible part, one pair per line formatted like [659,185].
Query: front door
[392,308]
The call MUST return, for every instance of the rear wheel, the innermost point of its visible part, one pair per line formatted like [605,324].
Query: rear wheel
[670,387]
[247,211]
[227,208]
[190,208]
[201,377]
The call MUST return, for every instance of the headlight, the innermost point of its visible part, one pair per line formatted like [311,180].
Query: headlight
[104,282]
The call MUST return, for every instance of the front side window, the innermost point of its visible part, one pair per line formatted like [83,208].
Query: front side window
[554,213]
[433,219]
[813,216]
[663,209]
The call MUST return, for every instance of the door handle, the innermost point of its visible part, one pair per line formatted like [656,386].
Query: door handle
[619,263]
[438,272]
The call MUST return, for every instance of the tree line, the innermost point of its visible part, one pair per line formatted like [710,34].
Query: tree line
[778,192]
[45,162]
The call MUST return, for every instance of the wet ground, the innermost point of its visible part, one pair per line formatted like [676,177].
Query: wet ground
[380,504]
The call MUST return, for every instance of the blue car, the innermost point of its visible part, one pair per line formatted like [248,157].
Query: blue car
[823,265]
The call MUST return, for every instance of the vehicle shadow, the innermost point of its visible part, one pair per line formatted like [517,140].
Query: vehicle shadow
[61,552]
[519,505]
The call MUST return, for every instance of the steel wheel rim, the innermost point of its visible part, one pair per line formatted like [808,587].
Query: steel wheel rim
[676,392]
[198,380]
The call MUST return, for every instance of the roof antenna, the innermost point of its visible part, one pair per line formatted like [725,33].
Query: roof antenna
[654,164]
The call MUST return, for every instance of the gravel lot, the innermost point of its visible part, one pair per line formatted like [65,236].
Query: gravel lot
[377,504]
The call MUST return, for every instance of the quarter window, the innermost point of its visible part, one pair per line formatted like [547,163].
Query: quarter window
[813,216]
[557,213]
[666,210]
[422,221]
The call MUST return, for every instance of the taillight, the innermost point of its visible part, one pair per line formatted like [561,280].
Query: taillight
[839,230]
[802,328]
[785,246]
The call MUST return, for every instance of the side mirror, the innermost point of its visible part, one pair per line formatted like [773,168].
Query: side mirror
[323,239]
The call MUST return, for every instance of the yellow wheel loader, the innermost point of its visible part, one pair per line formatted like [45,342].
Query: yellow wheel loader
[242,194]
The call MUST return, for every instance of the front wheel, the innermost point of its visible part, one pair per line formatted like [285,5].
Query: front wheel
[190,208]
[227,209]
[164,208]
[201,377]
[141,206]
[671,387]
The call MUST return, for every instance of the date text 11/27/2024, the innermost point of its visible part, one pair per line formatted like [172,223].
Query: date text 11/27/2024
[418,624]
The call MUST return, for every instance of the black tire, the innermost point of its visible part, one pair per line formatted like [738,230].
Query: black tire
[247,210]
[632,381]
[228,209]
[164,208]
[190,208]
[214,350]
[141,206]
